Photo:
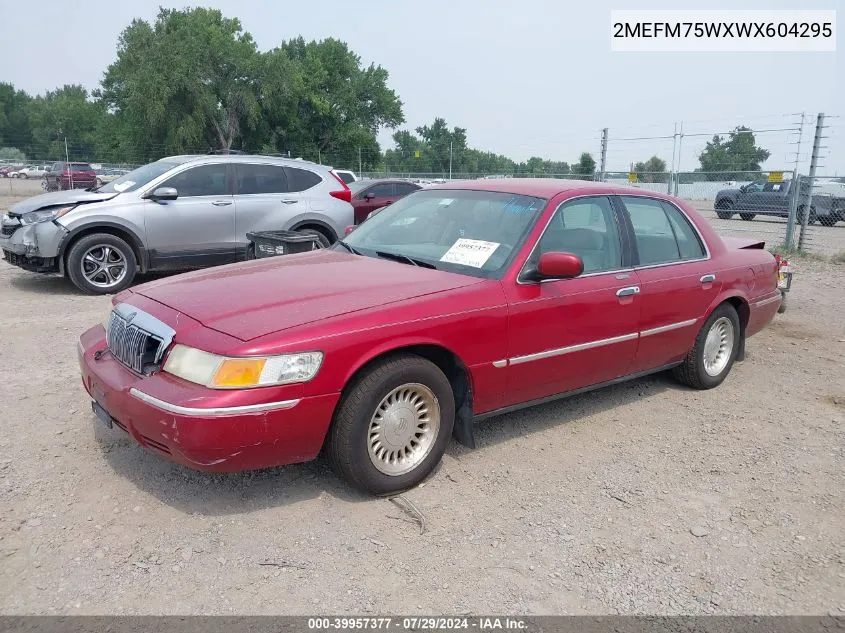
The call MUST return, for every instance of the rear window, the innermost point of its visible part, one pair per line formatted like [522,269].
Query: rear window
[80,167]
[301,179]
[346,177]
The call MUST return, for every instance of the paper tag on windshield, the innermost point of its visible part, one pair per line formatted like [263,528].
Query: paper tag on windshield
[123,186]
[473,253]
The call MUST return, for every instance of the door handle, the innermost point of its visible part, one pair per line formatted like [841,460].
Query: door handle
[289,201]
[627,292]
[706,279]
[222,203]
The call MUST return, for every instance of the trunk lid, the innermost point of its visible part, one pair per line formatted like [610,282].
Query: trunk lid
[738,243]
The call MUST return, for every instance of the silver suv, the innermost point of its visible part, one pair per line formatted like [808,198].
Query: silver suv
[179,213]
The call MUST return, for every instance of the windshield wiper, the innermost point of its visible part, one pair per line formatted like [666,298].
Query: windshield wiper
[404,258]
[352,250]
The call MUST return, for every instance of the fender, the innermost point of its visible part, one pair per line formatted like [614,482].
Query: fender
[137,242]
[463,428]
[724,295]
[303,220]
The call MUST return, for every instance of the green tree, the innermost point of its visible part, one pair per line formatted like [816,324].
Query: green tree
[737,154]
[65,115]
[12,154]
[183,83]
[652,170]
[537,166]
[443,147]
[586,165]
[14,117]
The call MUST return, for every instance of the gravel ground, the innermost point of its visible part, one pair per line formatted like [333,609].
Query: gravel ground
[641,498]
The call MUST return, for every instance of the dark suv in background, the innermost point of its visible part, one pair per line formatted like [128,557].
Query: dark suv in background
[62,176]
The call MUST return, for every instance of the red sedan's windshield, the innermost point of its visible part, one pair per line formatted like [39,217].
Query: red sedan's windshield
[472,232]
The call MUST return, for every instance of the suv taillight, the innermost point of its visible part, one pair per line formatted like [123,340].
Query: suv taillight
[345,193]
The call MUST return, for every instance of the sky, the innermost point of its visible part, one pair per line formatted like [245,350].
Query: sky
[525,78]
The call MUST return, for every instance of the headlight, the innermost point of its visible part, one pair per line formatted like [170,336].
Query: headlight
[44,215]
[220,372]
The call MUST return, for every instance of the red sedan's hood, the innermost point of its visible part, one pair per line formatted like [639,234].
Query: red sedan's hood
[255,298]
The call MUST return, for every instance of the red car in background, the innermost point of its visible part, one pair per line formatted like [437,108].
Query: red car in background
[369,195]
[453,304]
[62,176]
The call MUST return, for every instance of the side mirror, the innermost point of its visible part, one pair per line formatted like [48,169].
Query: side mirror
[557,266]
[369,196]
[348,230]
[163,193]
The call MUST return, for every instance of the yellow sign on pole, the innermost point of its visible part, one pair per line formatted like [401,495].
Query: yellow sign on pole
[632,177]
[417,154]
[775,176]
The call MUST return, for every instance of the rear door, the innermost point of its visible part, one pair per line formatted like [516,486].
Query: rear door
[773,200]
[676,276]
[263,200]
[198,228]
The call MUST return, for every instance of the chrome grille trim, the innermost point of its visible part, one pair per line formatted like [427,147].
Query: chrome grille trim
[130,333]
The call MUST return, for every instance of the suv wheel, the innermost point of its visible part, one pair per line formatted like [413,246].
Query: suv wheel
[101,264]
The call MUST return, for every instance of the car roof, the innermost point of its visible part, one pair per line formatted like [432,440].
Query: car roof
[543,187]
[237,158]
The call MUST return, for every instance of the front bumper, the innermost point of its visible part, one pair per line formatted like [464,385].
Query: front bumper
[33,247]
[179,422]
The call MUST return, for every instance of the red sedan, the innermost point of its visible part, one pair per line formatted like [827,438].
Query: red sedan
[454,304]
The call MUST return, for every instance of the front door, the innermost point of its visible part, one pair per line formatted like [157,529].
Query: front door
[677,280]
[571,333]
[375,197]
[198,228]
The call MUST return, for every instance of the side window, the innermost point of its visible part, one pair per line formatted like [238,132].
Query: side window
[301,179]
[254,179]
[756,186]
[655,238]
[207,180]
[689,244]
[56,167]
[384,190]
[403,189]
[585,227]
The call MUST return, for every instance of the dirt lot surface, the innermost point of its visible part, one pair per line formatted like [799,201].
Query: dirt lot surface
[641,498]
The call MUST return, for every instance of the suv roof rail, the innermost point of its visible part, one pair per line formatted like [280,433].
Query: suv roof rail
[226,151]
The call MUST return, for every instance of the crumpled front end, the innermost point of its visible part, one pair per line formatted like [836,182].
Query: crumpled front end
[33,247]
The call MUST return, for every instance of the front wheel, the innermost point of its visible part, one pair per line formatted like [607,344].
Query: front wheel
[710,360]
[101,264]
[828,220]
[322,240]
[392,425]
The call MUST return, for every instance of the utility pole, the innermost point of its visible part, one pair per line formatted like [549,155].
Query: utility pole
[796,190]
[69,170]
[359,161]
[603,167]
[678,170]
[814,159]
[672,166]
[450,160]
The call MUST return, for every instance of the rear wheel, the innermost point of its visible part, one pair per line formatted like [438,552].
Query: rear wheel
[746,216]
[724,210]
[324,242]
[828,220]
[710,360]
[392,425]
[101,264]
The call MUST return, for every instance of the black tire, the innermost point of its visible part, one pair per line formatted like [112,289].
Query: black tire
[347,442]
[782,306]
[724,209]
[325,242]
[746,216]
[828,220]
[692,371]
[74,264]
